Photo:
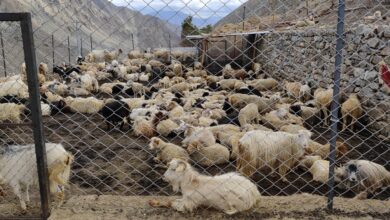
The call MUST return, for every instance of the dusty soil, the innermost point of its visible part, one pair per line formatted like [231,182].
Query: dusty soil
[302,206]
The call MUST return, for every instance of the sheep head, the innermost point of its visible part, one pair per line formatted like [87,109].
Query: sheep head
[155,143]
[194,146]
[304,138]
[175,173]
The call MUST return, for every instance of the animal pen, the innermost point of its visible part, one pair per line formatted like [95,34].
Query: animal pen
[294,96]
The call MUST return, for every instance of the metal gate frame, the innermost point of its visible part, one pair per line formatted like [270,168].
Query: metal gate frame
[36,115]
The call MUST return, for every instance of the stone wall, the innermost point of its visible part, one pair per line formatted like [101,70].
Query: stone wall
[308,56]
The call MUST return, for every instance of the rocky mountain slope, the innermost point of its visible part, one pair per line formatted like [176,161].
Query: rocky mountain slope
[110,27]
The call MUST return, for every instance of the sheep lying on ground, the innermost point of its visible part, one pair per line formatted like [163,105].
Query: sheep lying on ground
[115,112]
[323,150]
[18,169]
[293,89]
[229,192]
[198,136]
[363,177]
[167,151]
[279,118]
[215,154]
[263,84]
[276,150]
[11,112]
[351,108]
[318,168]
[304,93]
[90,105]
[144,128]
[16,88]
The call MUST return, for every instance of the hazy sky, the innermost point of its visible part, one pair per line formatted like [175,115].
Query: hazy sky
[198,8]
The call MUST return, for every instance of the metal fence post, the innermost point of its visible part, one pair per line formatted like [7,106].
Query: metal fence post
[68,49]
[81,47]
[36,116]
[132,40]
[170,47]
[3,54]
[52,47]
[335,103]
[90,40]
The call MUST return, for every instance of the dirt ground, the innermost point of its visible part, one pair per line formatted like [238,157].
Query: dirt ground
[302,206]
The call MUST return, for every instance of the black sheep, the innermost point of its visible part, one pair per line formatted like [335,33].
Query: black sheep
[12,99]
[117,89]
[296,110]
[115,112]
[250,90]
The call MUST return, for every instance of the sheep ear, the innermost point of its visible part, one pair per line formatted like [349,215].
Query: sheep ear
[156,141]
[181,166]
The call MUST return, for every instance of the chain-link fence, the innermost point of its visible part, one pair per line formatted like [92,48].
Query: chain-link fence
[126,86]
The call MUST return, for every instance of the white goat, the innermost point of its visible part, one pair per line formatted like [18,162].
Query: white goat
[18,169]
[229,192]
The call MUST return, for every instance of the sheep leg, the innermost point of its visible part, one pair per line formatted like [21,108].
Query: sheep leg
[353,122]
[108,125]
[325,116]
[122,124]
[362,195]
[344,122]
[183,205]
[27,193]
[282,172]
[18,192]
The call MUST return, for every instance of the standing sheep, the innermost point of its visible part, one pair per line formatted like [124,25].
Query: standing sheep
[323,99]
[249,114]
[277,150]
[18,169]
[229,192]
[351,108]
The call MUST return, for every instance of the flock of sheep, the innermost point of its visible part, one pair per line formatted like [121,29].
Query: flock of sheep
[239,115]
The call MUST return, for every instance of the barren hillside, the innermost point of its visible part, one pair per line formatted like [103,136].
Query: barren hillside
[110,27]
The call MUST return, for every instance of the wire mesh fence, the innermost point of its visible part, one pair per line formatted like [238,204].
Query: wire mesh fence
[245,86]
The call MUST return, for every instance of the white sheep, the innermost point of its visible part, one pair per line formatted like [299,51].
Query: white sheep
[215,154]
[351,108]
[144,128]
[229,192]
[166,127]
[18,169]
[102,56]
[317,167]
[167,151]
[363,176]
[249,114]
[90,105]
[263,84]
[279,118]
[11,112]
[276,150]
[323,99]
[15,88]
[198,136]
[305,93]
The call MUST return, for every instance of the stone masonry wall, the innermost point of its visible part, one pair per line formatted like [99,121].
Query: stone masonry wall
[308,56]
